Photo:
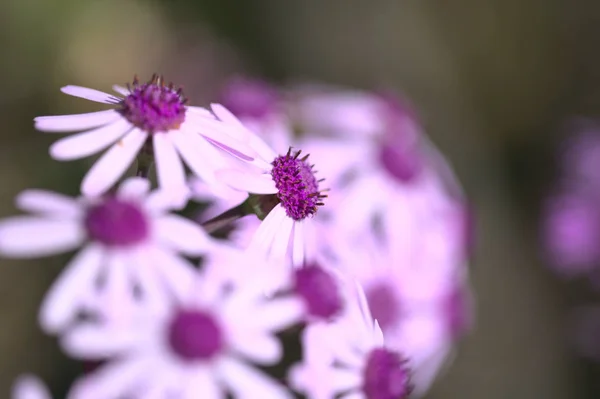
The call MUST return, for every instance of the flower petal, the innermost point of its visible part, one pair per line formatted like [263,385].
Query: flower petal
[258,347]
[29,387]
[31,237]
[124,91]
[62,299]
[247,382]
[249,182]
[48,203]
[202,384]
[100,341]
[88,143]
[134,188]
[89,94]
[107,170]
[181,234]
[75,122]
[169,168]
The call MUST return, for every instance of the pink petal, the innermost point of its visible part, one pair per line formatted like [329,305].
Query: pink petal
[169,168]
[89,94]
[249,182]
[75,122]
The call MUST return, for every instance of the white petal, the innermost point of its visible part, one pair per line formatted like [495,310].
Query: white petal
[89,94]
[88,143]
[345,379]
[260,348]
[265,152]
[75,122]
[124,91]
[250,182]
[178,274]
[31,237]
[199,111]
[107,170]
[298,244]
[29,387]
[202,384]
[48,203]
[134,188]
[118,287]
[281,241]
[234,127]
[227,143]
[248,383]
[61,301]
[265,234]
[181,234]
[100,342]
[169,168]
[163,200]
[276,315]
[193,153]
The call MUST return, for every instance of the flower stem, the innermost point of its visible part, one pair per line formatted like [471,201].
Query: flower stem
[227,217]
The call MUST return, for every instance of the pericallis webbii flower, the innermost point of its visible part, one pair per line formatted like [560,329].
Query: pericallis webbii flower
[128,240]
[350,359]
[151,117]
[287,195]
[202,342]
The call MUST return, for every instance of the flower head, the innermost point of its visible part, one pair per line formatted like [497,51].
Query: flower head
[151,117]
[127,239]
[201,341]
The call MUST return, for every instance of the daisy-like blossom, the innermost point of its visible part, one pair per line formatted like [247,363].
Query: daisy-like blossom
[29,386]
[349,359]
[376,159]
[150,117]
[198,342]
[128,240]
[288,193]
[420,301]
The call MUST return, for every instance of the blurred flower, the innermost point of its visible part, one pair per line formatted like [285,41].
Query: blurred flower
[148,112]
[128,239]
[350,359]
[250,98]
[197,342]
[286,190]
[29,387]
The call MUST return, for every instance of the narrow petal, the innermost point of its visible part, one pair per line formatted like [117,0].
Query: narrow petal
[100,341]
[257,347]
[199,111]
[118,301]
[48,203]
[169,168]
[124,91]
[196,156]
[202,384]
[107,170]
[345,379]
[275,315]
[178,274]
[298,244]
[181,234]
[250,182]
[163,200]
[89,94]
[265,234]
[29,387]
[281,241]
[75,122]
[232,124]
[32,237]
[248,383]
[239,148]
[134,188]
[88,143]
[61,301]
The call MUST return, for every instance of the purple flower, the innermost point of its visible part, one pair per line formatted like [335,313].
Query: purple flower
[128,239]
[147,112]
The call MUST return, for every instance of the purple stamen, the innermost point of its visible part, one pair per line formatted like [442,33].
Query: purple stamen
[319,291]
[117,223]
[195,335]
[386,376]
[298,188]
[154,107]
[384,305]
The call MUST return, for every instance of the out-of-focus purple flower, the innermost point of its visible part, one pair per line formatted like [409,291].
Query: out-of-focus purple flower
[198,342]
[128,239]
[349,358]
[571,233]
[29,387]
[580,157]
[147,112]
[250,98]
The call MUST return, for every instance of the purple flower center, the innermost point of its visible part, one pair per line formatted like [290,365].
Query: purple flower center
[399,149]
[386,376]
[195,335]
[248,98]
[384,305]
[297,186]
[115,222]
[154,107]
[319,291]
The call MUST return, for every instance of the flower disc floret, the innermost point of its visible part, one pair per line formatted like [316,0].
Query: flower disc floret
[386,375]
[116,223]
[153,106]
[195,335]
[297,186]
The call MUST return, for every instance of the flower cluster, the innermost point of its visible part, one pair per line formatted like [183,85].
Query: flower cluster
[314,213]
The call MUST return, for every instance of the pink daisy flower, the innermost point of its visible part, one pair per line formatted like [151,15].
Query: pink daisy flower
[151,117]
[348,359]
[127,239]
[29,387]
[200,342]
[289,194]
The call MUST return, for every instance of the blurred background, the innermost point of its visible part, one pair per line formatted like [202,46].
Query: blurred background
[493,80]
